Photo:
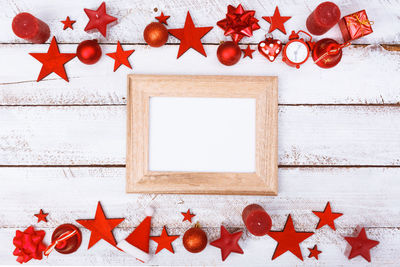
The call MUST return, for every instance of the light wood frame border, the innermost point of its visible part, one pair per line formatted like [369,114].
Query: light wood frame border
[264,181]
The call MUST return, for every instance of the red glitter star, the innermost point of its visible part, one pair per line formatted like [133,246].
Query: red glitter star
[277,21]
[228,243]
[121,57]
[99,19]
[187,216]
[164,241]
[248,52]
[327,217]
[162,18]
[41,216]
[314,252]
[68,23]
[361,245]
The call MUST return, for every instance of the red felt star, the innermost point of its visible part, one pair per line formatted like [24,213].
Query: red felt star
[228,243]
[162,18]
[190,36]
[289,240]
[53,61]
[164,241]
[248,52]
[361,245]
[41,216]
[121,57]
[99,19]
[277,21]
[68,23]
[314,252]
[327,217]
[187,216]
[100,227]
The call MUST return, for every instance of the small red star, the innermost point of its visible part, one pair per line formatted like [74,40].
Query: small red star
[68,23]
[327,217]
[162,18]
[187,216]
[314,252]
[228,243]
[361,245]
[121,57]
[53,61]
[164,241]
[277,21]
[41,216]
[99,19]
[248,52]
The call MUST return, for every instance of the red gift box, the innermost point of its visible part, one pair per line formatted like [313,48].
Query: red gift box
[355,25]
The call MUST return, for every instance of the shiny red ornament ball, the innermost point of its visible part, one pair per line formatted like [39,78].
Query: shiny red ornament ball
[195,239]
[155,34]
[89,52]
[229,53]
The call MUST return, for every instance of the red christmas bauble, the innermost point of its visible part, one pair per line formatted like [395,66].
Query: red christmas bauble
[70,245]
[155,34]
[326,53]
[195,239]
[89,52]
[229,53]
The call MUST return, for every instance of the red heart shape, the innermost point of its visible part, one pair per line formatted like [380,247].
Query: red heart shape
[270,48]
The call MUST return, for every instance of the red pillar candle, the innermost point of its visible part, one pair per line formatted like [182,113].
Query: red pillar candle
[256,219]
[323,18]
[30,28]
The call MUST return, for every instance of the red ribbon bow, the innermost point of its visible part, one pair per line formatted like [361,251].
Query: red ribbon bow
[29,244]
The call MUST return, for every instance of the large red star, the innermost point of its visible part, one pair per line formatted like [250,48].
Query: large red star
[100,227]
[121,57]
[41,216]
[327,217]
[99,19]
[314,252]
[68,23]
[289,240]
[228,243]
[361,245]
[53,61]
[164,241]
[187,216]
[162,18]
[248,52]
[190,36]
[277,21]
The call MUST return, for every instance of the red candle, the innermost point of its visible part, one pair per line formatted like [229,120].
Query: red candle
[30,28]
[256,219]
[323,18]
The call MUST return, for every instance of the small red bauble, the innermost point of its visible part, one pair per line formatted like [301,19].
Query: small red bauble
[89,52]
[270,48]
[327,53]
[195,239]
[229,53]
[155,34]
[70,245]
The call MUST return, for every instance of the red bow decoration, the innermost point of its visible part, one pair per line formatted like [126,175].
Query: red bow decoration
[239,23]
[29,244]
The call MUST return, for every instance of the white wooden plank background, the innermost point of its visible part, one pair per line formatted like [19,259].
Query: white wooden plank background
[62,145]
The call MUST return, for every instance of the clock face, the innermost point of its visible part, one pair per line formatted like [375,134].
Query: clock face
[296,52]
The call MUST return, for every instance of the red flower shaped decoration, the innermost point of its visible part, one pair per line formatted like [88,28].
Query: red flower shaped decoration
[29,244]
[239,23]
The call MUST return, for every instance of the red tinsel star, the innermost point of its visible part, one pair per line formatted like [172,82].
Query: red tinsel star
[99,19]
[68,23]
[100,227]
[187,216]
[277,21]
[121,57]
[314,252]
[327,217]
[361,245]
[162,18]
[53,61]
[248,52]
[190,36]
[41,216]
[228,243]
[289,240]
[164,241]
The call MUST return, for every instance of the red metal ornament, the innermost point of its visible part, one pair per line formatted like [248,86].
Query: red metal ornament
[270,48]
[229,53]
[228,243]
[361,245]
[297,51]
[314,252]
[155,34]
[41,216]
[66,239]
[99,19]
[195,239]
[187,216]
[164,241]
[68,23]
[277,21]
[327,217]
[327,53]
[89,52]
[121,57]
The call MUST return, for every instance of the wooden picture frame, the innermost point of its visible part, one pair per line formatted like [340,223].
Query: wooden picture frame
[264,181]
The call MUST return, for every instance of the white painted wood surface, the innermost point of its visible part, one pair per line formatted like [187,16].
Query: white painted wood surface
[62,145]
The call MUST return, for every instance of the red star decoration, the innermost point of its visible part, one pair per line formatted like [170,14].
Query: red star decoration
[248,52]
[187,216]
[162,18]
[361,245]
[277,21]
[53,61]
[190,36]
[327,217]
[99,19]
[289,240]
[314,252]
[100,227]
[41,216]
[68,23]
[121,57]
[228,243]
[164,241]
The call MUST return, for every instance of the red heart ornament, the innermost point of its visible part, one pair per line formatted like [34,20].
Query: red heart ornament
[270,48]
